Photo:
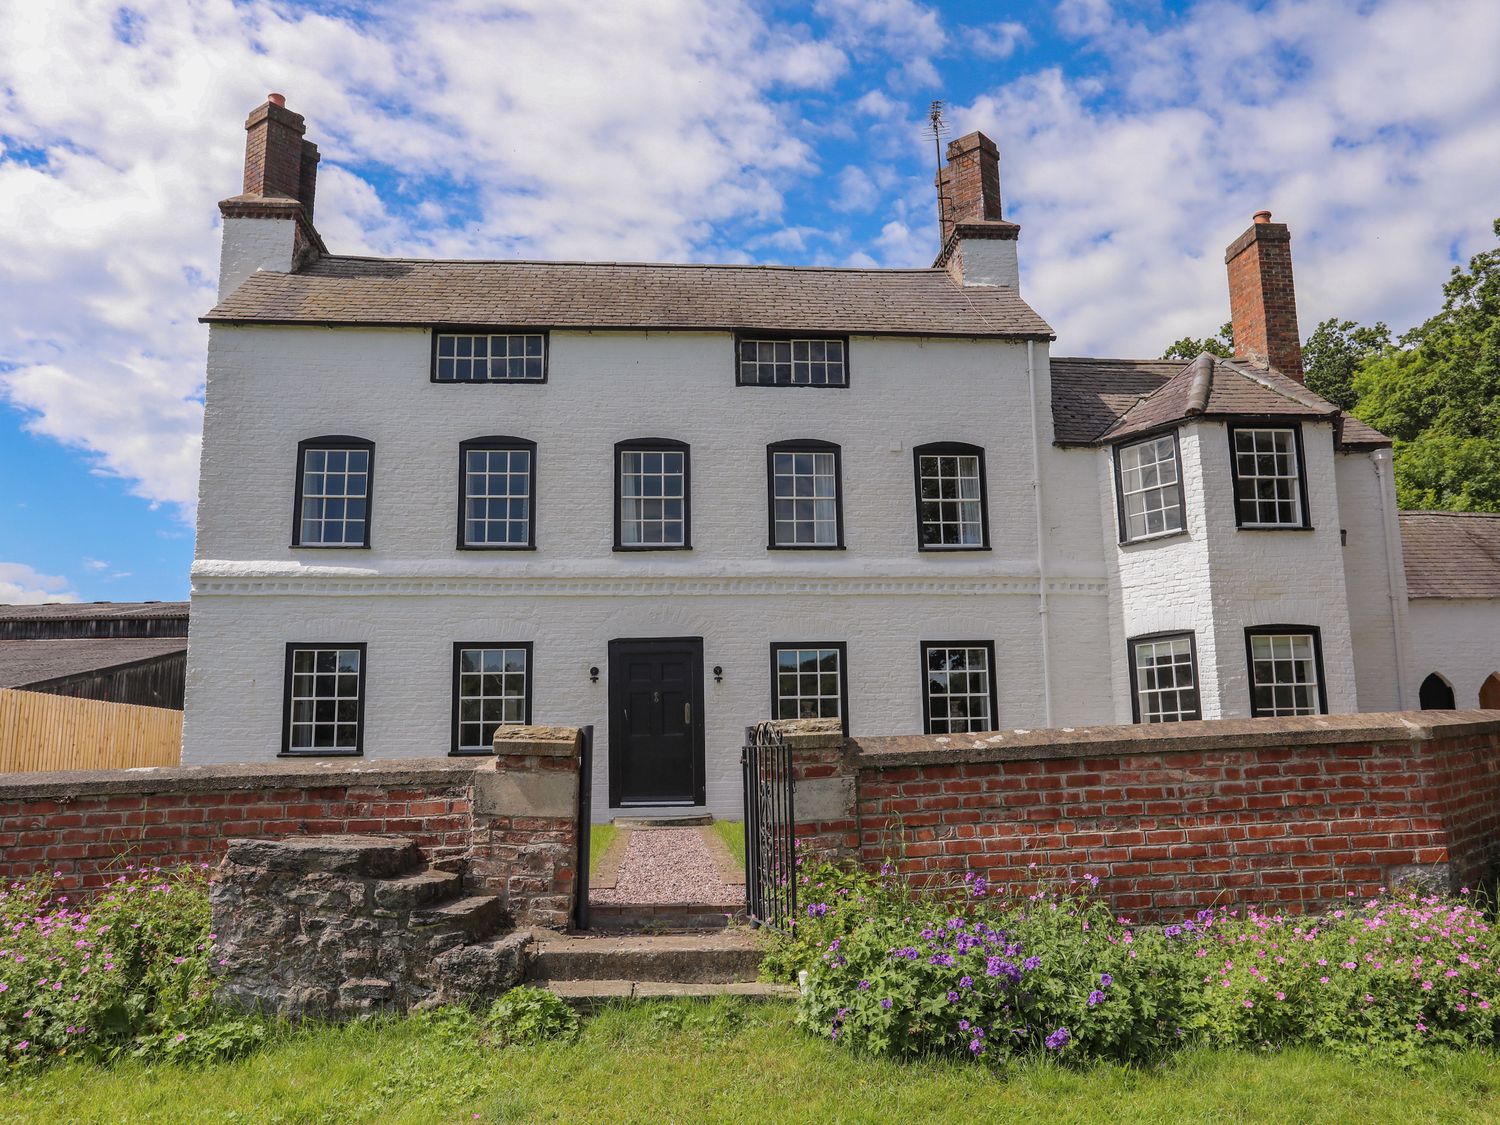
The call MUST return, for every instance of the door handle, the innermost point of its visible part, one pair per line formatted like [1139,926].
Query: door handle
[687,714]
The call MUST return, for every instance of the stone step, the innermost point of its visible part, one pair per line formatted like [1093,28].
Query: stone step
[724,957]
[413,892]
[473,916]
[667,820]
[663,916]
[372,857]
[591,994]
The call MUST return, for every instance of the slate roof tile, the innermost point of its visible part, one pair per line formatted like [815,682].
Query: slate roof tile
[344,290]
[1451,554]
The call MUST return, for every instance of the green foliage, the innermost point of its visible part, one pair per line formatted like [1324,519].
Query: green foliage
[1335,351]
[1438,395]
[976,974]
[1188,348]
[530,1015]
[127,971]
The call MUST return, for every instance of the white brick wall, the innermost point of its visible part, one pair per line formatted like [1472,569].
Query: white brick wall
[254,244]
[1459,639]
[413,593]
[1378,621]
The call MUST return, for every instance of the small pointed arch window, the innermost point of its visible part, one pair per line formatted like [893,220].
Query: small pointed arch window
[1489,693]
[1436,694]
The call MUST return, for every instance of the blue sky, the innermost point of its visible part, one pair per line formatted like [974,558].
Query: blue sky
[1136,139]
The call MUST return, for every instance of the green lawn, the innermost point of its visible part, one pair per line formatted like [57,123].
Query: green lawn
[732,832]
[688,1062]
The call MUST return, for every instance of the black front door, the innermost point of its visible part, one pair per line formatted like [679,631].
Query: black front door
[656,722]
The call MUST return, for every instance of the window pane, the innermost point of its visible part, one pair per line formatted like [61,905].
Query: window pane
[335,485]
[489,359]
[323,708]
[797,362]
[1148,479]
[497,498]
[1268,490]
[805,497]
[653,489]
[493,698]
[807,682]
[958,689]
[1162,669]
[949,513]
[1284,674]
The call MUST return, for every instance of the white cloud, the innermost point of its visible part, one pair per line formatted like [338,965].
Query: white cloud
[560,127]
[995,40]
[21,585]
[95,564]
[1084,17]
[857,191]
[1372,129]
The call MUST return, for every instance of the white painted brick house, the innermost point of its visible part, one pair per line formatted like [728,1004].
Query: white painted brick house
[672,500]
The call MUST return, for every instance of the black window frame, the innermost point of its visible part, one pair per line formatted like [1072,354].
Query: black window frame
[656,445]
[496,442]
[804,445]
[333,442]
[1315,632]
[952,449]
[286,700]
[1304,505]
[744,334]
[927,696]
[843,651]
[1121,522]
[1166,635]
[454,749]
[472,330]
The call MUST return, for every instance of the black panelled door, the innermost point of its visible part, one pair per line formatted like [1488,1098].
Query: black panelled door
[656,722]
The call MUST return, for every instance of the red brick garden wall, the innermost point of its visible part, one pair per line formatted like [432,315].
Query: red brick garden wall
[87,825]
[1295,812]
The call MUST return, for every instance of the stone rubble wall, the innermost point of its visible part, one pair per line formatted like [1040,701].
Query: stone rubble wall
[341,926]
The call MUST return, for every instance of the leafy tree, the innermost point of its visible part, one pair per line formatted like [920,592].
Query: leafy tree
[1188,348]
[1335,351]
[1438,395]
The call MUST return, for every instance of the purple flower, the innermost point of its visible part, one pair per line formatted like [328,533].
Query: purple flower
[1058,1039]
[817,909]
[1095,998]
[952,997]
[864,986]
[1106,980]
[1031,963]
[886,1004]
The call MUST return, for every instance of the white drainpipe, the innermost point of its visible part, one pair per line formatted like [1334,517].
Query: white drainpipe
[1041,534]
[1388,524]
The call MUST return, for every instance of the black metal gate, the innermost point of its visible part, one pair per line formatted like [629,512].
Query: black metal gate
[770,860]
[585,815]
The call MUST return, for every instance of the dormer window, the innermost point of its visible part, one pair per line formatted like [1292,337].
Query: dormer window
[489,357]
[1270,483]
[792,361]
[1148,479]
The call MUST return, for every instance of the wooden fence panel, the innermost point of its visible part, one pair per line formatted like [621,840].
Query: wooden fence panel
[55,732]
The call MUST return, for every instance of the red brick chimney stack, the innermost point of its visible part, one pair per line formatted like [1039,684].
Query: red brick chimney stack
[1262,297]
[969,184]
[278,162]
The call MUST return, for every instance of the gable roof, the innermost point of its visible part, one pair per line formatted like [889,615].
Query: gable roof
[417,293]
[1104,400]
[1451,554]
[30,663]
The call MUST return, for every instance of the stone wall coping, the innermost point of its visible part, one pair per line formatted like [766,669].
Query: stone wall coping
[1214,735]
[810,734]
[554,742]
[397,773]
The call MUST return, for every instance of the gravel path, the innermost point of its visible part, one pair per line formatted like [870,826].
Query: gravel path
[669,865]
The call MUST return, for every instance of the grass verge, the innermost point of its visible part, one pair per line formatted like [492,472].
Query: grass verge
[601,836]
[732,832]
[725,1061]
